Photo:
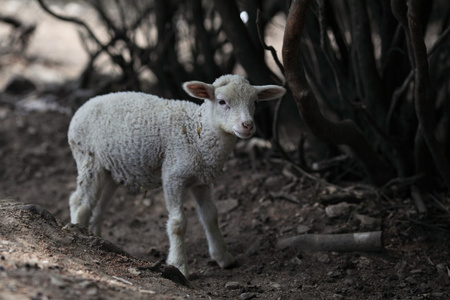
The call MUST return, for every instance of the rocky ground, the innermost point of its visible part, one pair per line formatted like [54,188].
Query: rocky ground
[262,200]
[43,258]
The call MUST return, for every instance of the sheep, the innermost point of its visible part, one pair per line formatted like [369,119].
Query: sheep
[142,142]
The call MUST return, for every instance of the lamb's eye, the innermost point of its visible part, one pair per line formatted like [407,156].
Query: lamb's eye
[222,102]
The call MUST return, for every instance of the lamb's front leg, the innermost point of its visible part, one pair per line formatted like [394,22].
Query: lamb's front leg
[176,225]
[207,212]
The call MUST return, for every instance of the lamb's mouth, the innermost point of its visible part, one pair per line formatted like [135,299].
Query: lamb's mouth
[243,134]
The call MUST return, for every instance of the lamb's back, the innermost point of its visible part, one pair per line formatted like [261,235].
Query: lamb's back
[130,134]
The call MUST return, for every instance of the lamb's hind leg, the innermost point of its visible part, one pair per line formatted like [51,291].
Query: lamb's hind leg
[176,225]
[109,187]
[84,200]
[207,213]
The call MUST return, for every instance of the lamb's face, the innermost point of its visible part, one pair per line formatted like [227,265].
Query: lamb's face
[234,106]
[233,102]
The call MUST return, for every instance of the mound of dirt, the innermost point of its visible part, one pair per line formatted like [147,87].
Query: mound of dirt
[41,259]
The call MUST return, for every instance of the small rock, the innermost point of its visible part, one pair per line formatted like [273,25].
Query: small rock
[303,228]
[349,282]
[335,274]
[134,271]
[367,221]
[274,183]
[424,287]
[296,261]
[323,258]
[276,286]
[337,210]
[247,296]
[411,280]
[57,282]
[86,284]
[226,206]
[232,285]
[91,291]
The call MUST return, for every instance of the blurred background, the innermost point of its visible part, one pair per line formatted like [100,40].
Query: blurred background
[358,59]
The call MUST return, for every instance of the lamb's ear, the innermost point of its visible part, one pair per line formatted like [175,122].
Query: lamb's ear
[269,92]
[199,89]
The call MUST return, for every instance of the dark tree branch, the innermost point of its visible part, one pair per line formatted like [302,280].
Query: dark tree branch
[203,40]
[374,94]
[425,106]
[272,50]
[246,53]
[343,132]
[71,20]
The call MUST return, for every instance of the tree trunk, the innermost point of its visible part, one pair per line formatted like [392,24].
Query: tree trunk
[340,133]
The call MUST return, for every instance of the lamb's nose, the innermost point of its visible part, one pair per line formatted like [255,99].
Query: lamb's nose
[247,125]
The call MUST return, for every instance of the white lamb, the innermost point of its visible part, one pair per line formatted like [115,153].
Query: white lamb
[142,141]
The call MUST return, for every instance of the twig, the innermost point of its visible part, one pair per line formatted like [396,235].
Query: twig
[349,242]
[312,177]
[418,200]
[72,20]
[329,163]
[122,280]
[439,204]
[402,182]
[263,43]
[406,83]
[284,196]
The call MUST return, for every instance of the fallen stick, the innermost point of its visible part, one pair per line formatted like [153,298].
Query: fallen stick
[349,242]
[418,200]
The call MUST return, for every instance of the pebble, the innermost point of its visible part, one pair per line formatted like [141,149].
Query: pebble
[134,271]
[349,282]
[226,206]
[274,183]
[276,286]
[424,287]
[247,296]
[368,222]
[323,258]
[57,282]
[303,228]
[411,280]
[232,285]
[337,210]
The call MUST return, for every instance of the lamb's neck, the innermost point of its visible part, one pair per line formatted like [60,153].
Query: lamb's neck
[213,141]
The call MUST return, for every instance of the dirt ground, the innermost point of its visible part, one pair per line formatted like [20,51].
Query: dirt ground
[260,201]
[43,259]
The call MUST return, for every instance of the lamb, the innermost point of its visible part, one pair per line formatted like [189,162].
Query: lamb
[142,141]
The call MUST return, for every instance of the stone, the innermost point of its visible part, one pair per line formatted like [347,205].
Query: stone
[232,285]
[226,206]
[337,210]
[303,228]
[247,296]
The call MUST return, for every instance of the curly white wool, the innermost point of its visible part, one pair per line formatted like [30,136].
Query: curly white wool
[142,141]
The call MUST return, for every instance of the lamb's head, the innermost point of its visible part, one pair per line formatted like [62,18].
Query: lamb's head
[232,100]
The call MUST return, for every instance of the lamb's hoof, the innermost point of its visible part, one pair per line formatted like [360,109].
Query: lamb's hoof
[182,268]
[228,262]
